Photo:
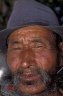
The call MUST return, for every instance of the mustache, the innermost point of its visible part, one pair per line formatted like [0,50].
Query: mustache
[45,77]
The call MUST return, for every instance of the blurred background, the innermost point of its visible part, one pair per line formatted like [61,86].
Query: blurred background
[7,5]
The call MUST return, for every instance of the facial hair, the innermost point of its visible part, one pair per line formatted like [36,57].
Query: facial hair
[45,78]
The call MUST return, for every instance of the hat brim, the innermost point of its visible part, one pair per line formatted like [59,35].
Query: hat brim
[4,34]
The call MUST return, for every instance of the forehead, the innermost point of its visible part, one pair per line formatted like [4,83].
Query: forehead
[35,31]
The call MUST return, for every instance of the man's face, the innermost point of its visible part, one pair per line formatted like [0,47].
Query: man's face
[32,58]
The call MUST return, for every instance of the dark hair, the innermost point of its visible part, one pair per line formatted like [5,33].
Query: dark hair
[58,39]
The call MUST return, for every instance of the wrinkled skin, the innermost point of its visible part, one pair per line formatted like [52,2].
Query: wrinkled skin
[32,58]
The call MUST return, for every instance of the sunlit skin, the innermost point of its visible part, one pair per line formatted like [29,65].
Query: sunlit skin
[28,48]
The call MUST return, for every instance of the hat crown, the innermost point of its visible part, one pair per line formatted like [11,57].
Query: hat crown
[30,11]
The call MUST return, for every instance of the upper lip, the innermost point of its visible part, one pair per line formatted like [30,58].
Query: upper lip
[29,77]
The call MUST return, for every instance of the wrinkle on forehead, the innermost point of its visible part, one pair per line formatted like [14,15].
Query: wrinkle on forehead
[34,31]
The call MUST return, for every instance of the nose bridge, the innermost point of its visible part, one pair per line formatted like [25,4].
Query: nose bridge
[28,57]
[28,54]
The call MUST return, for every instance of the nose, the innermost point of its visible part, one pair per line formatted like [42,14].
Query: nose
[27,58]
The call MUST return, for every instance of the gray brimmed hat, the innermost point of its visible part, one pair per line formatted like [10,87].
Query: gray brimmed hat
[28,12]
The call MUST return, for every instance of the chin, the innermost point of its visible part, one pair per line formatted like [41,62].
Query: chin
[31,89]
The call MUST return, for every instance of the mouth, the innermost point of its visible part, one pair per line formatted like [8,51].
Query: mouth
[30,79]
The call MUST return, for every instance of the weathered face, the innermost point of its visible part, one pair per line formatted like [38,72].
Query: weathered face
[32,58]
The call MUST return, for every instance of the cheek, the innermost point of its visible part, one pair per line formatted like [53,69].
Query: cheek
[46,60]
[13,61]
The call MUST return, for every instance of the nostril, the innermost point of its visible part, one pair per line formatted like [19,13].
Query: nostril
[25,64]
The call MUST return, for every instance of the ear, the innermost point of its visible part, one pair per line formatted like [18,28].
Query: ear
[61,53]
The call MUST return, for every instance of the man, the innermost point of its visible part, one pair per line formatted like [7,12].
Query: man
[33,51]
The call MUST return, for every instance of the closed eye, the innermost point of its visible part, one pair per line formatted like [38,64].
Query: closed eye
[37,44]
[17,48]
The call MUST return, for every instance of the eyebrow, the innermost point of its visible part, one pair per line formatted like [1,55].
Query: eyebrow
[15,42]
[34,39]
[18,42]
[37,40]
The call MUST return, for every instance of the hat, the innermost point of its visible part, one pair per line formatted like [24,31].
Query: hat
[27,12]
